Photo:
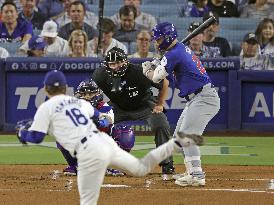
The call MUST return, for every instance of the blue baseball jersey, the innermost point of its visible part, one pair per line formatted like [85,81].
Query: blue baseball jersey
[23,27]
[184,69]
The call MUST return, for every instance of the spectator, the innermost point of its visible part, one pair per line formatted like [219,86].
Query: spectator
[30,14]
[257,9]
[4,53]
[56,46]
[146,20]
[250,58]
[16,2]
[143,44]
[196,43]
[78,44]
[13,29]
[36,46]
[215,46]
[50,8]
[77,13]
[199,8]
[107,42]
[223,8]
[265,35]
[63,18]
[129,28]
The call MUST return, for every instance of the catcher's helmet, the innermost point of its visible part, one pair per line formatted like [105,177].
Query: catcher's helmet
[89,87]
[167,31]
[116,55]
[124,136]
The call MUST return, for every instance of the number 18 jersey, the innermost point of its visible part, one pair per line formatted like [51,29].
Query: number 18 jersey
[184,69]
[66,118]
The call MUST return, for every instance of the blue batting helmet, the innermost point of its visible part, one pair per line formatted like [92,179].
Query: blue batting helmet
[124,136]
[166,30]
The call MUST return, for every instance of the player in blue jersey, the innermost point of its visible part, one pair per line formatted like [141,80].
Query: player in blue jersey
[185,71]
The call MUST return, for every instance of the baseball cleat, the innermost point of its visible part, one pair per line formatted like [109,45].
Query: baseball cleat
[167,171]
[178,176]
[114,172]
[70,171]
[191,180]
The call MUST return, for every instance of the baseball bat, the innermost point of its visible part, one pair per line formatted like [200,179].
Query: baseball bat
[101,16]
[200,29]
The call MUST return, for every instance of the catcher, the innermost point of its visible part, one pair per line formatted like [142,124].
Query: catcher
[123,135]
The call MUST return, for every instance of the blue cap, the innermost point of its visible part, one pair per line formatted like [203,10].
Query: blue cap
[37,43]
[55,78]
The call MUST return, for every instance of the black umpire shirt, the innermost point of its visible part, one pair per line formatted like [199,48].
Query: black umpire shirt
[136,88]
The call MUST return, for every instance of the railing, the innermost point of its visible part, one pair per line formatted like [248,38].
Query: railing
[246,96]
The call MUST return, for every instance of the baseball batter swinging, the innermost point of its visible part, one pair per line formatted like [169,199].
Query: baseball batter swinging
[68,119]
[184,69]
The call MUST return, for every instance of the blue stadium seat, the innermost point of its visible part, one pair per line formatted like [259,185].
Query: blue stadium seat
[161,10]
[239,23]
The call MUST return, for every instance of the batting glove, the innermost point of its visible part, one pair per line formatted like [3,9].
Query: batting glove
[146,66]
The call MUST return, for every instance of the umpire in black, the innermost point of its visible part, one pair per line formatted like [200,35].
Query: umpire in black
[130,95]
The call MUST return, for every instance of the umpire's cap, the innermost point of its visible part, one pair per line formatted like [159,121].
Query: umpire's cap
[55,78]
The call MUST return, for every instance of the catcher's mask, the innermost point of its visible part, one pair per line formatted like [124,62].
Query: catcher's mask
[116,62]
[89,91]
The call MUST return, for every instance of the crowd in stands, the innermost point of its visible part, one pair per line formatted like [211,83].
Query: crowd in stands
[70,28]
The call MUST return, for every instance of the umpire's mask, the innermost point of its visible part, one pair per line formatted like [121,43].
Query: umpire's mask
[116,64]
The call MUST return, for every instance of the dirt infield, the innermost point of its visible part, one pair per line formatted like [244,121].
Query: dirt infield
[226,185]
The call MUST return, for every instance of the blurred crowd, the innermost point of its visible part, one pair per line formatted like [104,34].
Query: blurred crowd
[69,28]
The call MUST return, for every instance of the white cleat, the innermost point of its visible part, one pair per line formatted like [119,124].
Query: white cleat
[167,177]
[178,176]
[189,180]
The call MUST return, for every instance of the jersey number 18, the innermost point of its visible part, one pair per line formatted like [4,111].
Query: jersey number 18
[76,117]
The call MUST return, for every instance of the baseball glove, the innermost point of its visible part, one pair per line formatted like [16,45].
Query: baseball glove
[22,125]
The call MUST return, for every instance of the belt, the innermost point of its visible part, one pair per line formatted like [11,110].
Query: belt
[196,92]
[84,139]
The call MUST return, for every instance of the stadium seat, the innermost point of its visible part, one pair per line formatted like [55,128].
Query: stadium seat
[239,23]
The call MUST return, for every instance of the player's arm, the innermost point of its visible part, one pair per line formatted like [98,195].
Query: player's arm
[100,119]
[163,92]
[31,136]
[38,128]
[156,73]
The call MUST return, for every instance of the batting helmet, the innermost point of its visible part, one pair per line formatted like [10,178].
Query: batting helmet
[167,31]
[89,91]
[124,136]
[116,55]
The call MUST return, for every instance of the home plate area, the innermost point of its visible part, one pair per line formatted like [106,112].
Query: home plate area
[226,185]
